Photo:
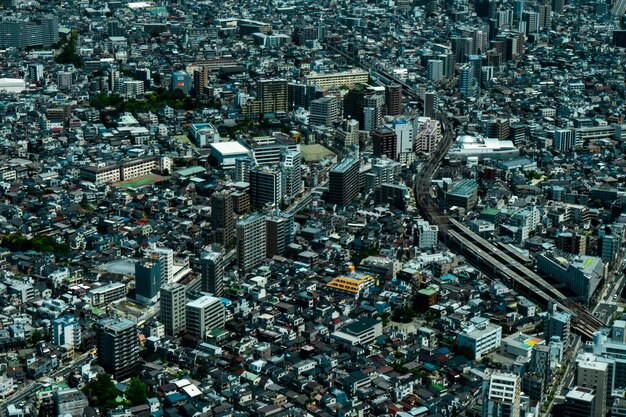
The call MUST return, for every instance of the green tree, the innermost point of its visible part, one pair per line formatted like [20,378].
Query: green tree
[102,392]
[18,243]
[136,392]
[37,337]
[86,206]
[404,314]
[68,53]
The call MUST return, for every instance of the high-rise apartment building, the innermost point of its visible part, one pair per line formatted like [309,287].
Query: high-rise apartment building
[486,76]
[558,6]
[292,174]
[461,47]
[434,70]
[65,331]
[427,238]
[223,218]
[504,18]
[541,363]
[403,129]
[558,323]
[564,140]
[280,233]
[448,63]
[481,40]
[117,342]
[497,128]
[545,16]
[468,84]
[373,105]
[581,402]
[203,315]
[348,135]
[266,186]
[324,111]
[353,105]
[476,65]
[212,270]
[273,95]
[172,313]
[593,374]
[128,87]
[343,182]
[35,72]
[251,241]
[501,397]
[43,31]
[518,133]
[242,169]
[531,18]
[385,143]
[144,74]
[393,99]
[431,103]
[300,95]
[303,34]
[165,257]
[426,134]
[181,80]
[148,279]
[350,78]
[200,79]
[65,79]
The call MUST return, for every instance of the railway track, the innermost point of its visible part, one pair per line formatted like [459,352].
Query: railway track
[495,261]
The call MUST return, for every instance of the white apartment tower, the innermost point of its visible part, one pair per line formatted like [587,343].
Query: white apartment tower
[166,262]
[203,315]
[172,314]
[292,174]
[251,241]
[501,397]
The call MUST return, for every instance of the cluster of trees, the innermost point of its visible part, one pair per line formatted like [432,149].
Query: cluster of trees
[533,175]
[86,206]
[16,242]
[103,394]
[153,101]
[37,337]
[68,53]
[404,314]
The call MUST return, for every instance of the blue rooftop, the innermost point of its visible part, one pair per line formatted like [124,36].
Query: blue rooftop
[465,187]
[448,277]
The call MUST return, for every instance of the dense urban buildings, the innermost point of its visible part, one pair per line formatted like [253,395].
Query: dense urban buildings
[312,209]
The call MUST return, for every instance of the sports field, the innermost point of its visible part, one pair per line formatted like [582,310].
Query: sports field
[139,181]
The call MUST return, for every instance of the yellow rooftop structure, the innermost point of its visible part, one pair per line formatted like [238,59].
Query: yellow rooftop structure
[353,284]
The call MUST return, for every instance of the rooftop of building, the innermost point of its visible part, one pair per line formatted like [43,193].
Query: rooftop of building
[345,164]
[203,301]
[582,394]
[464,187]
[229,148]
[117,324]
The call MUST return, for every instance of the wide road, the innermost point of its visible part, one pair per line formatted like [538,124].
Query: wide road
[32,387]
